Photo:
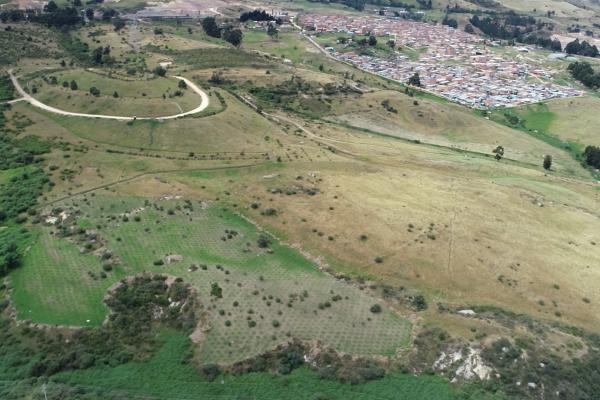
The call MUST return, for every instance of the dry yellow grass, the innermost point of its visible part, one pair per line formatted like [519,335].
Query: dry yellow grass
[502,234]
[443,124]
[574,118]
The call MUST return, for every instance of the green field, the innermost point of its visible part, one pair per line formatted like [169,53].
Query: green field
[165,377]
[55,286]
[235,129]
[145,98]
[67,293]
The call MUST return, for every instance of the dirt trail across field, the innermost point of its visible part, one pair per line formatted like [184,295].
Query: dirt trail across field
[36,103]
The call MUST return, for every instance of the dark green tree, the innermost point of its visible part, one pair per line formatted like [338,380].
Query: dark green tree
[547,162]
[209,24]
[272,31]
[415,80]
[216,291]
[160,71]
[233,36]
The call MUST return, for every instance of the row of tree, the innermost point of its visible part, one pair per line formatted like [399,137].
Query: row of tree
[513,27]
[584,73]
[581,48]
[356,4]
[60,17]
[229,34]
[256,15]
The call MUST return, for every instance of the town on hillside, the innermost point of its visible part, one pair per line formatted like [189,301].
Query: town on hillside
[454,64]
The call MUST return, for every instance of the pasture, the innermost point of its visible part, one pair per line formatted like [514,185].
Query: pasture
[449,125]
[118,95]
[571,119]
[166,377]
[269,294]
[458,226]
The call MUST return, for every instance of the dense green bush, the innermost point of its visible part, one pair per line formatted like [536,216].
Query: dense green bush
[21,192]
[10,248]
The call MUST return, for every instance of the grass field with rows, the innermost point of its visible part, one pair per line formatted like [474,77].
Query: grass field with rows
[166,377]
[268,296]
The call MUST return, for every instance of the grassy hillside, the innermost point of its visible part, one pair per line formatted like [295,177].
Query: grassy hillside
[165,377]
[258,285]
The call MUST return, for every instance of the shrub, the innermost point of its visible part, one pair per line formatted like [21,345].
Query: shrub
[375,308]
[276,323]
[263,241]
[160,71]
[210,372]
[419,302]
[215,290]
[270,212]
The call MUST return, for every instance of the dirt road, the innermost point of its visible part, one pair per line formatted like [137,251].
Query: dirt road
[36,103]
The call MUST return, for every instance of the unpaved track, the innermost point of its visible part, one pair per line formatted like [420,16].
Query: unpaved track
[36,103]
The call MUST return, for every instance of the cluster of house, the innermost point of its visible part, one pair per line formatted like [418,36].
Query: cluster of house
[450,62]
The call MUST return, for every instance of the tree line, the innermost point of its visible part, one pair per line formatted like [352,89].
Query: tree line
[514,27]
[584,73]
[65,18]
[581,48]
[229,34]
[256,15]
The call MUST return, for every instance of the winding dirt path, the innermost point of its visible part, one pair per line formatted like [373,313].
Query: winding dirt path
[36,103]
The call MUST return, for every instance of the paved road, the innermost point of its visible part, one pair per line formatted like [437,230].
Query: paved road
[36,103]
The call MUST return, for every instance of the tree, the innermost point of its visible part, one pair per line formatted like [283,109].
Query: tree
[89,14]
[547,162]
[372,40]
[216,291]
[119,24]
[415,80]
[233,36]
[160,71]
[419,302]
[451,22]
[209,24]
[391,43]
[51,7]
[73,85]
[499,151]
[469,28]
[95,91]
[375,308]
[115,94]
[272,31]
[158,31]
[592,156]
[109,13]
[263,241]
[216,78]
[181,84]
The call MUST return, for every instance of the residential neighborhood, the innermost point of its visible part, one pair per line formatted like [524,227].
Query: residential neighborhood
[454,64]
